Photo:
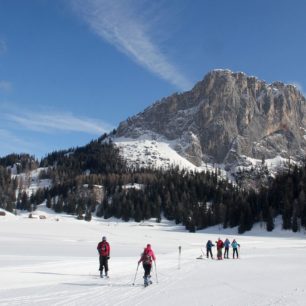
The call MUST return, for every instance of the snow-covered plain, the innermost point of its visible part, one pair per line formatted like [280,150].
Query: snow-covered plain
[54,261]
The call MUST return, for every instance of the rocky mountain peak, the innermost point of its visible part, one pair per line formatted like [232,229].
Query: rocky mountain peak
[226,116]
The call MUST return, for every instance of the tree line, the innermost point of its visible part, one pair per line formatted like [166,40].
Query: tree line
[94,179]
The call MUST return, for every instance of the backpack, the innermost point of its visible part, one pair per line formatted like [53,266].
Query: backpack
[103,249]
[220,244]
[147,258]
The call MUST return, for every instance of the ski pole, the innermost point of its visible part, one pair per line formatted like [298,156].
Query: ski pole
[155,272]
[135,274]
[202,253]
[179,258]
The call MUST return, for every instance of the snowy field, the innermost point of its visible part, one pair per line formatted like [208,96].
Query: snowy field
[54,262]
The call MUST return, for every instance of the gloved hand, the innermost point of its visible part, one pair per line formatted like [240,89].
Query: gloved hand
[108,257]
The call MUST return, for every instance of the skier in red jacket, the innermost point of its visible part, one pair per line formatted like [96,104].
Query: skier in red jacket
[219,248]
[146,258]
[104,252]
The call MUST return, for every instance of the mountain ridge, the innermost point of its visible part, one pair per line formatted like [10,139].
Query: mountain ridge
[225,117]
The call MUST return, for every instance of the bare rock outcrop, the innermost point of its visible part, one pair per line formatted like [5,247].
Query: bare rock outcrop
[225,116]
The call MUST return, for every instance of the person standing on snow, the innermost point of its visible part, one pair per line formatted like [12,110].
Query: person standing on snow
[219,248]
[235,246]
[104,252]
[209,246]
[226,248]
[146,258]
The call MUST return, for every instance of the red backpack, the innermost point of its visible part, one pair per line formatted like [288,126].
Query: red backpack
[103,249]
[147,258]
[220,244]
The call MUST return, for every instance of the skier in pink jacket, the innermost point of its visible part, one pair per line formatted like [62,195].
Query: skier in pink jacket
[146,258]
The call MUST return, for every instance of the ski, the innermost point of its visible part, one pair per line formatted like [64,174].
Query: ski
[147,282]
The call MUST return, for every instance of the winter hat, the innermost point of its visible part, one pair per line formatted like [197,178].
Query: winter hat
[104,238]
[148,245]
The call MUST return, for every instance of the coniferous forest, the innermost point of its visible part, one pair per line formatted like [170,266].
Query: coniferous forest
[94,179]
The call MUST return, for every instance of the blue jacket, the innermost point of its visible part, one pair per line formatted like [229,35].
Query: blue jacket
[235,245]
[209,245]
[227,243]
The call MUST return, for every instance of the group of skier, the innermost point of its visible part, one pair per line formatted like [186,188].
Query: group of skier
[147,257]
[220,245]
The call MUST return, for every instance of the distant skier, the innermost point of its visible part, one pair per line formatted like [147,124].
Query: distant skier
[235,246]
[219,248]
[226,248]
[209,246]
[104,252]
[146,258]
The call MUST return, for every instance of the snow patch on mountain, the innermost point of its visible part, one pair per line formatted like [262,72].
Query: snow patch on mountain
[161,154]
[151,153]
[156,152]
[30,181]
[271,163]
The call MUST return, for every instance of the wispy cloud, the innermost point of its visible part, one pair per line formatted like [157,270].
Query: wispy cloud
[5,86]
[54,122]
[119,23]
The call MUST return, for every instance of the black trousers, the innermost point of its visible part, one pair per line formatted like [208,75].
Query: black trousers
[226,252]
[208,251]
[103,263]
[235,251]
[147,269]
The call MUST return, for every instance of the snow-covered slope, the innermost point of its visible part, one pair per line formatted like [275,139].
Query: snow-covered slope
[160,153]
[54,261]
[30,182]
[145,152]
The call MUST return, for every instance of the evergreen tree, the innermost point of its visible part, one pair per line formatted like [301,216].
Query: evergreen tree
[270,221]
[88,215]
[49,204]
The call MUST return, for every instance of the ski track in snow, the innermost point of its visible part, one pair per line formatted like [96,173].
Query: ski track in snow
[43,262]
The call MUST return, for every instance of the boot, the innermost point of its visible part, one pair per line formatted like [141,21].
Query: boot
[145,281]
[149,280]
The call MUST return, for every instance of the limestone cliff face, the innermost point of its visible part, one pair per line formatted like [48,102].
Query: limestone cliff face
[227,115]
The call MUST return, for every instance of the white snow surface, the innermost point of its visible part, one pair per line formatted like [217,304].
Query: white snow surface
[272,164]
[49,262]
[158,154]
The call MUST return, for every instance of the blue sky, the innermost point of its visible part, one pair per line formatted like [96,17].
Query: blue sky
[71,70]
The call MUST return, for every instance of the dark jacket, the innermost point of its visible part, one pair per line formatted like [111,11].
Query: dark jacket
[209,245]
